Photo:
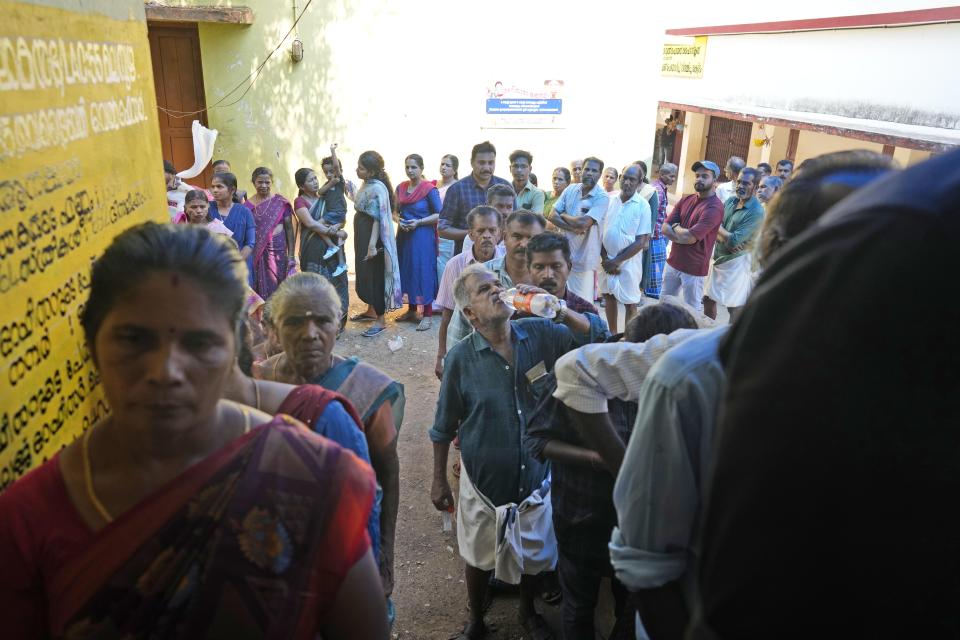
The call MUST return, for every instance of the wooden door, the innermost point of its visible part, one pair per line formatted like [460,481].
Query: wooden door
[178,81]
[727,138]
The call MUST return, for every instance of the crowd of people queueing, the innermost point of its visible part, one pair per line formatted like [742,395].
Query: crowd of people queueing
[394,230]
[737,480]
[784,475]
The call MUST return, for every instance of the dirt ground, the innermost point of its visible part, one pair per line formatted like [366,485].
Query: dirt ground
[430,594]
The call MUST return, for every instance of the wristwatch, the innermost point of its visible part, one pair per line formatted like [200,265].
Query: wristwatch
[561,313]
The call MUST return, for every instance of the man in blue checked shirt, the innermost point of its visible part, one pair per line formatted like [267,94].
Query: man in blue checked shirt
[468,193]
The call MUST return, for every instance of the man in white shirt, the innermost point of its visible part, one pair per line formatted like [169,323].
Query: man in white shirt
[626,234]
[579,213]
[725,189]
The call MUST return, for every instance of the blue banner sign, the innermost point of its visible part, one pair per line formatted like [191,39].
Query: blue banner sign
[525,106]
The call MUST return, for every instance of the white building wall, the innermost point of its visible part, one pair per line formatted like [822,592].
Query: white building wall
[893,75]
[411,77]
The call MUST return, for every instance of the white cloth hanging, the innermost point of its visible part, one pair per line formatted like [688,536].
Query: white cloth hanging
[203,141]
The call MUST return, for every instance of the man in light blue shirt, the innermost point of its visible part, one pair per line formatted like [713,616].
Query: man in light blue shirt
[579,214]
[656,546]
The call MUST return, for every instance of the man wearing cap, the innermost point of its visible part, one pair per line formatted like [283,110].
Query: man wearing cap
[692,230]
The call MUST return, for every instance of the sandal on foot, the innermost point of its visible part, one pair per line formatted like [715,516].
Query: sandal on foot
[361,317]
[373,331]
[472,631]
[340,269]
[425,324]
[332,251]
[535,628]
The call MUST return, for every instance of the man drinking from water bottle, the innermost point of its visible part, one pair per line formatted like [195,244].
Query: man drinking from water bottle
[501,485]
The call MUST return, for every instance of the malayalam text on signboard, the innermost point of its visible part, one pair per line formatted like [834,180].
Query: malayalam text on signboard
[79,162]
[684,59]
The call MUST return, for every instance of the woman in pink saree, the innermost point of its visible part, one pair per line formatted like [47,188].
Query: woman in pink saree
[273,253]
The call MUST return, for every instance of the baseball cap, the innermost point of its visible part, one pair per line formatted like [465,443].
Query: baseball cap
[706,164]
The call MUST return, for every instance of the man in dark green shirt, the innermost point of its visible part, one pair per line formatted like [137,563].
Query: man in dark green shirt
[491,383]
[731,278]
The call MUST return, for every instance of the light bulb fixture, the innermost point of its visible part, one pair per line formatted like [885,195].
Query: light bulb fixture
[764,140]
[296,50]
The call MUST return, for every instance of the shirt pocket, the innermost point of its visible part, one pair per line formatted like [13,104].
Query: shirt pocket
[541,386]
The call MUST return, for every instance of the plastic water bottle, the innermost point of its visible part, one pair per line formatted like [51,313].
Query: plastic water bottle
[539,304]
[446,520]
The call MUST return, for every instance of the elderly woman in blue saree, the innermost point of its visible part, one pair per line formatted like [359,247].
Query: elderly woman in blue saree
[378,273]
[419,205]
[305,310]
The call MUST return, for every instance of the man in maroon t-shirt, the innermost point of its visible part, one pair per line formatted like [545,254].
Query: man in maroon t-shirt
[692,230]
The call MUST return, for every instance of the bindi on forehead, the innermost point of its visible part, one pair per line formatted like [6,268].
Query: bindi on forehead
[174,279]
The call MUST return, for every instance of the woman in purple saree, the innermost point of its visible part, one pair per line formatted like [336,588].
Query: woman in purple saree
[273,253]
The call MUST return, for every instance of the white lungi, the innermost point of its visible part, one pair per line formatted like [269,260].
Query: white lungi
[582,283]
[510,540]
[730,283]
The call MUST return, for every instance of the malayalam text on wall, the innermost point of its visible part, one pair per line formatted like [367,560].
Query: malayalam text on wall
[79,162]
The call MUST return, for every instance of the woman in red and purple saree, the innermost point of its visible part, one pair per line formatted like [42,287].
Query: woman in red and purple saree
[182,515]
[254,541]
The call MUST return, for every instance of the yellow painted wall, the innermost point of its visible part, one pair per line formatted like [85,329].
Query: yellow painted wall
[777,149]
[79,162]
[387,76]
[812,144]
[692,147]
[909,157]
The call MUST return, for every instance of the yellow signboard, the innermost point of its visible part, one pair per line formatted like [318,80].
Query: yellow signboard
[684,59]
[79,162]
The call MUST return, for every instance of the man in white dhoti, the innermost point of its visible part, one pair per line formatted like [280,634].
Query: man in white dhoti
[492,381]
[626,234]
[730,280]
